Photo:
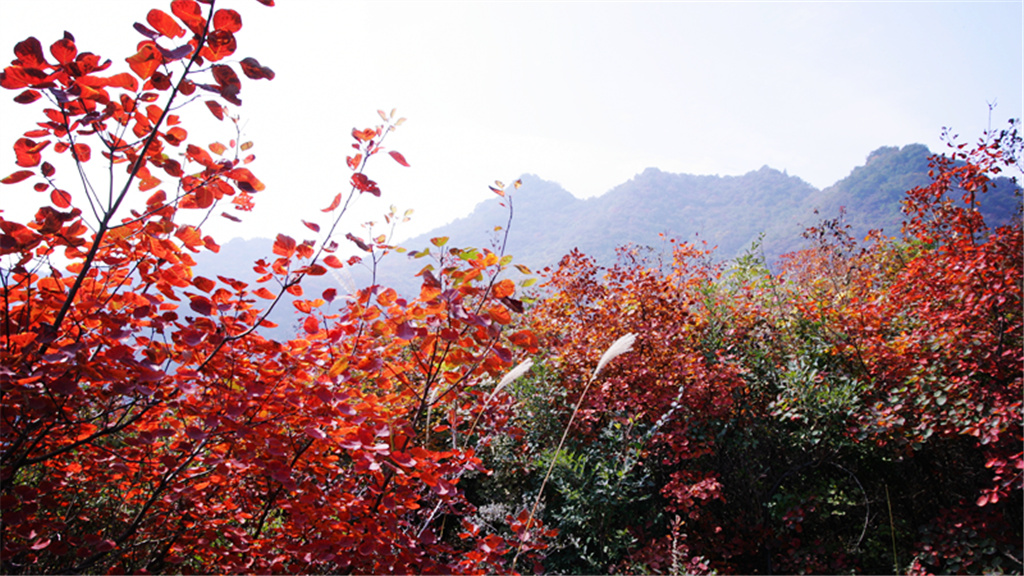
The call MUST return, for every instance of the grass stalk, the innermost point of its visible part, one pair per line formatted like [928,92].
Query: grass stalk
[620,346]
[892,532]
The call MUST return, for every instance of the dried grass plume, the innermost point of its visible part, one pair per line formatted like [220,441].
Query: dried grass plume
[511,376]
[619,347]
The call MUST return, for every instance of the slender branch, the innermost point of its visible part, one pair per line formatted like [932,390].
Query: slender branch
[104,226]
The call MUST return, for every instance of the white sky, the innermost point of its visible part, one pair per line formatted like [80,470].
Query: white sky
[584,94]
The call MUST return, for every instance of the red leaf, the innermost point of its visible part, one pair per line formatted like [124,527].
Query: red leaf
[333,261]
[199,155]
[311,325]
[175,136]
[164,24]
[364,135]
[27,151]
[402,459]
[27,97]
[226,19]
[228,83]
[122,80]
[64,50]
[219,45]
[264,293]
[18,176]
[252,68]
[190,13]
[243,175]
[146,60]
[216,109]
[201,305]
[334,204]
[60,198]
[399,158]
[30,53]
[358,242]
[364,184]
[315,432]
[312,226]
[203,283]
[82,152]
[284,246]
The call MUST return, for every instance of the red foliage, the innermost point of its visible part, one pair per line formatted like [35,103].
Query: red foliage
[141,435]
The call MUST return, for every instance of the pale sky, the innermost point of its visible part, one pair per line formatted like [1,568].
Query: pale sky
[584,94]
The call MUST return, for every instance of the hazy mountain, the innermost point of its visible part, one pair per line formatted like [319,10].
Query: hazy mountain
[729,212]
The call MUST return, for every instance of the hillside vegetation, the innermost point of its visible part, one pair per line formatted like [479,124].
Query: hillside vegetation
[597,389]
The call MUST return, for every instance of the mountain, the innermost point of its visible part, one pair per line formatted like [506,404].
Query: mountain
[727,212]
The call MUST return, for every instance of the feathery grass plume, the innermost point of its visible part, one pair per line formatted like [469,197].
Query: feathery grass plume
[505,381]
[619,347]
[511,376]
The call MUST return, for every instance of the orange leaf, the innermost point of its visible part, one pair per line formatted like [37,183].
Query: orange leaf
[203,283]
[264,293]
[146,60]
[189,12]
[164,24]
[284,246]
[387,297]
[28,152]
[122,80]
[60,198]
[500,314]
[524,339]
[244,175]
[504,288]
[175,136]
[333,261]
[364,135]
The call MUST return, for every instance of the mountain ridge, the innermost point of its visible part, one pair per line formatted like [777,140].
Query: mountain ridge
[727,212]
